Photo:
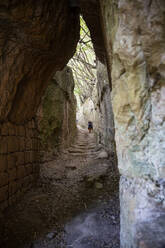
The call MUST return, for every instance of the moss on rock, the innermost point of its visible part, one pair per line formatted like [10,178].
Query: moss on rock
[57,112]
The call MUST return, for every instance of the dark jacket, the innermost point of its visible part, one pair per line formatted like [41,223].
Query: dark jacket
[90,124]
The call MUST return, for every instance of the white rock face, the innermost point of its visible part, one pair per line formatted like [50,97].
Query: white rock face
[98,109]
[89,111]
[135,33]
[105,105]
[86,113]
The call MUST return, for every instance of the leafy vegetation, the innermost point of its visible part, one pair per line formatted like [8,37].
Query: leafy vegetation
[83,64]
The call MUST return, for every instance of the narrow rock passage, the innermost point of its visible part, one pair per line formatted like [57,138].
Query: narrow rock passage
[74,205]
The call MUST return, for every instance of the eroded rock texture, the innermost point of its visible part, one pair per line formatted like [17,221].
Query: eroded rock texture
[19,160]
[105,108]
[88,111]
[135,38]
[57,112]
[37,38]
[35,41]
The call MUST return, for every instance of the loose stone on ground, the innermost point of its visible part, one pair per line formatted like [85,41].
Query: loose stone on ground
[75,204]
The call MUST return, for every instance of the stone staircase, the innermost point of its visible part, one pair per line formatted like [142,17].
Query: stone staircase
[84,146]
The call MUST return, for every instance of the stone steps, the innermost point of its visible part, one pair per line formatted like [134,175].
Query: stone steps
[84,150]
[85,145]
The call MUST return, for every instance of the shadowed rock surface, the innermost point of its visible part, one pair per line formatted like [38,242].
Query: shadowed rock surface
[35,42]
[32,38]
[68,209]
[56,116]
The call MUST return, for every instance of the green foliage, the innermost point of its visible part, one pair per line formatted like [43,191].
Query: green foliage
[83,64]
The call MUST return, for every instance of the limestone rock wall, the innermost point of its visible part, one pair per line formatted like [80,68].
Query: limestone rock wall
[35,42]
[19,160]
[57,112]
[88,111]
[98,109]
[37,38]
[107,130]
[135,41]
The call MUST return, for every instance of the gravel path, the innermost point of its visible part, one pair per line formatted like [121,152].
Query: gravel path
[74,205]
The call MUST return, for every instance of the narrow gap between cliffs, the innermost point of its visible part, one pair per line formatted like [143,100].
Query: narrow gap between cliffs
[75,203]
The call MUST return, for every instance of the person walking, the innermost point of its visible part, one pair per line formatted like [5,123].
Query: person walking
[90,126]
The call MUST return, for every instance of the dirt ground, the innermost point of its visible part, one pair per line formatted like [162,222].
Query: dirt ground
[75,203]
